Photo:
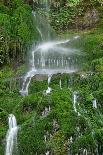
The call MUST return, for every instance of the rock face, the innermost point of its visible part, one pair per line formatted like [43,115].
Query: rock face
[88,20]
[91,17]
[40,77]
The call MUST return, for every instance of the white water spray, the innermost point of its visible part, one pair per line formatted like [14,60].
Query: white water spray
[11,137]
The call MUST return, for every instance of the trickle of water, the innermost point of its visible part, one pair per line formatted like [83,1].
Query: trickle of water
[85,152]
[49,79]
[71,139]
[45,138]
[11,137]
[46,111]
[48,91]
[94,102]
[49,108]
[47,153]
[75,101]
[26,82]
[40,33]
[60,84]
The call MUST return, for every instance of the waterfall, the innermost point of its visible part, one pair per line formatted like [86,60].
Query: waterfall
[50,52]
[46,50]
[11,137]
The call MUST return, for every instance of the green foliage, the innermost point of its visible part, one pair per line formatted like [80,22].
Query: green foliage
[33,126]
[16,3]
[57,144]
[97,65]
[71,13]
[4,9]
[84,142]
[16,31]
[5,23]
[64,19]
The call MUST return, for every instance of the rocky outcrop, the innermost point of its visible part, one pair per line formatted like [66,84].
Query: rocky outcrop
[88,20]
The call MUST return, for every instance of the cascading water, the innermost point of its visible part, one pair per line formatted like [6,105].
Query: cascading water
[11,137]
[50,58]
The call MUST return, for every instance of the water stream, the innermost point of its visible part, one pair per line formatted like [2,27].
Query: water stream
[11,137]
